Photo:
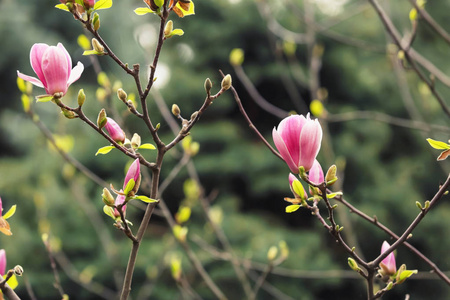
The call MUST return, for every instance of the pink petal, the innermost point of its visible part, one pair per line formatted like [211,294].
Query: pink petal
[316,173]
[281,146]
[75,74]
[31,79]
[2,262]
[388,261]
[310,140]
[68,58]
[289,130]
[55,69]
[36,54]
[133,172]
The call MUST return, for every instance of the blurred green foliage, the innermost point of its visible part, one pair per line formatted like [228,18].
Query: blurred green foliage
[387,168]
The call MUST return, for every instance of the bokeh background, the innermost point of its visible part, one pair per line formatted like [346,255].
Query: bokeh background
[384,169]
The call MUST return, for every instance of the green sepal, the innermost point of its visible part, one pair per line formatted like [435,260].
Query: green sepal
[130,185]
[144,198]
[140,11]
[147,146]
[292,208]
[62,6]
[44,98]
[104,150]
[103,4]
[10,212]
[109,211]
[438,144]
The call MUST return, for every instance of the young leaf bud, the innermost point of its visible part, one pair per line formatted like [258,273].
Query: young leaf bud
[122,95]
[68,113]
[176,110]
[226,82]
[194,115]
[97,46]
[208,85]
[168,29]
[101,119]
[272,253]
[81,97]
[330,177]
[96,21]
[352,263]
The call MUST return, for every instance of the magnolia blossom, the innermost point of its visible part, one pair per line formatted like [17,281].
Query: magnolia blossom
[134,172]
[114,130]
[316,173]
[298,140]
[388,264]
[53,67]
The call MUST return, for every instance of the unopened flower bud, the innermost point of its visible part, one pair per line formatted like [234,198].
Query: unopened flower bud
[114,130]
[134,172]
[176,110]
[330,177]
[101,119]
[18,270]
[272,253]
[122,95]
[97,46]
[352,263]
[68,113]
[81,97]
[135,141]
[194,115]
[107,198]
[169,28]
[226,82]
[208,85]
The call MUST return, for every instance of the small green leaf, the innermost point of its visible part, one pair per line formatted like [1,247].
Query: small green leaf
[438,144]
[62,7]
[109,211]
[145,199]
[93,52]
[103,4]
[130,185]
[104,150]
[298,189]
[178,31]
[405,275]
[332,195]
[10,212]
[292,208]
[83,42]
[44,98]
[140,11]
[147,146]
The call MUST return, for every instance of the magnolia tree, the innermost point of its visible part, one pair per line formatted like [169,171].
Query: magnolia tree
[297,139]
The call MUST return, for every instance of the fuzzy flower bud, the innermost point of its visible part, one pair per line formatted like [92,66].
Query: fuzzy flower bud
[114,130]
[298,140]
[107,198]
[226,82]
[388,265]
[81,97]
[122,95]
[176,110]
[208,85]
[134,172]
[97,46]
[101,119]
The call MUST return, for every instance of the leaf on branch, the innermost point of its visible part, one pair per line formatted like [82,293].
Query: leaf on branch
[183,9]
[444,155]
[44,98]
[292,208]
[104,150]
[147,146]
[145,199]
[140,11]
[62,7]
[109,211]
[129,187]
[333,195]
[103,4]
[10,212]
[178,31]
[93,52]
[438,144]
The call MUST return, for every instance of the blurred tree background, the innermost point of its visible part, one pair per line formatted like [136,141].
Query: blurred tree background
[384,168]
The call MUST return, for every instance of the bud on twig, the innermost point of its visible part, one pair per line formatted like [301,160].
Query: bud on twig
[18,270]
[97,46]
[122,95]
[135,141]
[96,21]
[68,113]
[194,115]
[208,85]
[226,82]
[101,119]
[176,110]
[81,97]
[168,29]
[330,177]
[107,198]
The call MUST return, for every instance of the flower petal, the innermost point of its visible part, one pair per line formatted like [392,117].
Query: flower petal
[68,58]
[36,54]
[55,69]
[310,140]
[284,152]
[75,74]
[31,79]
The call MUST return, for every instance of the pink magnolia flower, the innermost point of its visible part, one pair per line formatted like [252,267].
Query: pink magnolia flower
[298,140]
[2,262]
[53,67]
[388,264]
[114,130]
[134,172]
[316,173]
